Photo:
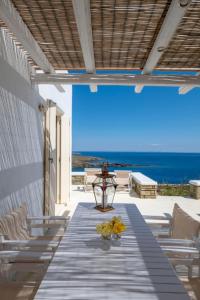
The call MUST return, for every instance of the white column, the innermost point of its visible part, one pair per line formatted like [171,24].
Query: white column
[65,159]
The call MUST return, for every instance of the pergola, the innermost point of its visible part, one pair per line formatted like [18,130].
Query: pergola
[114,35]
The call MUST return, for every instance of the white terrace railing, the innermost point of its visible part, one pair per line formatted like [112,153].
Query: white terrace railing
[144,186]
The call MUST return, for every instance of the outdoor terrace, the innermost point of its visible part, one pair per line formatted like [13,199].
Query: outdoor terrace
[87,35]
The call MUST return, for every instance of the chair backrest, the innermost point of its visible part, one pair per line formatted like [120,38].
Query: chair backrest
[22,231]
[92,171]
[90,174]
[14,225]
[21,218]
[122,173]
[183,225]
[122,177]
[5,229]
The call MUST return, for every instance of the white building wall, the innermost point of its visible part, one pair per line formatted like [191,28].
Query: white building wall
[21,133]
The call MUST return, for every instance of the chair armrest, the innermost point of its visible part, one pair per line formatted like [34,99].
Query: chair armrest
[29,243]
[48,218]
[54,222]
[47,225]
[161,232]
[25,256]
[176,242]
[58,222]
[180,249]
[159,223]
[157,217]
[164,221]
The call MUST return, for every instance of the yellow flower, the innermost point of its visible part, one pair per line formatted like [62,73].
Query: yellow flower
[104,228]
[114,226]
[118,228]
[99,228]
[116,220]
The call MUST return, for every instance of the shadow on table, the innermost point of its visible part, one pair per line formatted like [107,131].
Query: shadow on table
[104,245]
[160,272]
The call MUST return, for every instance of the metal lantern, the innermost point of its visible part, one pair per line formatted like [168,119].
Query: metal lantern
[104,188]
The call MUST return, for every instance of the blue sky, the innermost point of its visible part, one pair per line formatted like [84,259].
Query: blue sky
[117,119]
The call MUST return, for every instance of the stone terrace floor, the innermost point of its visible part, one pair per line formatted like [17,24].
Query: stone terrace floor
[158,206]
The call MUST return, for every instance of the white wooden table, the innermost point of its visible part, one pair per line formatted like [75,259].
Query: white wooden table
[86,268]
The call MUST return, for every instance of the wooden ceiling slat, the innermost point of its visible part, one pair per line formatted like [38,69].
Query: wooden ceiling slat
[123,33]
[183,50]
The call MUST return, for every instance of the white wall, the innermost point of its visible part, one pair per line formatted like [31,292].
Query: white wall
[21,133]
[64,102]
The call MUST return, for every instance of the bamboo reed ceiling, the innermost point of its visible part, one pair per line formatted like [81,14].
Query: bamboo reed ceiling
[124,32]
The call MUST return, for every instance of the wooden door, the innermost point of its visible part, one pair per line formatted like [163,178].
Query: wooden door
[50,160]
[58,158]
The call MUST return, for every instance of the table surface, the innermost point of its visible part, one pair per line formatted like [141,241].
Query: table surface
[86,268]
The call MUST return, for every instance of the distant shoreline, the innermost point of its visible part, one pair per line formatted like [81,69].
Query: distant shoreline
[88,161]
[84,161]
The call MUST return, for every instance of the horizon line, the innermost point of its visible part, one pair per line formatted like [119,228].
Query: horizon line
[137,151]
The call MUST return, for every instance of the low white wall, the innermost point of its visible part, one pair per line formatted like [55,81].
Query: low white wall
[21,133]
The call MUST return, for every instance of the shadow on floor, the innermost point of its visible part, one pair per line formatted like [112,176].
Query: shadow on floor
[193,287]
[18,291]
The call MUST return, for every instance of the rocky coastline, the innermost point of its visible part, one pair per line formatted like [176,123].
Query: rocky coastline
[80,161]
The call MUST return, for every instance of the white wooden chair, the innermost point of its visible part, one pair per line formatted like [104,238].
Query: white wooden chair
[18,226]
[181,242]
[19,249]
[123,179]
[89,177]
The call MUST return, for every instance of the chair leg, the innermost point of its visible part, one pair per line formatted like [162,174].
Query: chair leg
[5,273]
[199,266]
[190,271]
[189,267]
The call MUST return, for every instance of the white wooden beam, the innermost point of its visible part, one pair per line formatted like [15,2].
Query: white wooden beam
[83,21]
[117,79]
[184,89]
[12,19]
[173,17]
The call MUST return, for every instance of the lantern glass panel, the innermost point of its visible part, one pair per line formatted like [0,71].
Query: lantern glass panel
[104,188]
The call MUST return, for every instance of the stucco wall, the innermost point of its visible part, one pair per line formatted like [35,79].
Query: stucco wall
[21,133]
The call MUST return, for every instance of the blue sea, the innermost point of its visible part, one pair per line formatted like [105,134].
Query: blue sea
[162,167]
